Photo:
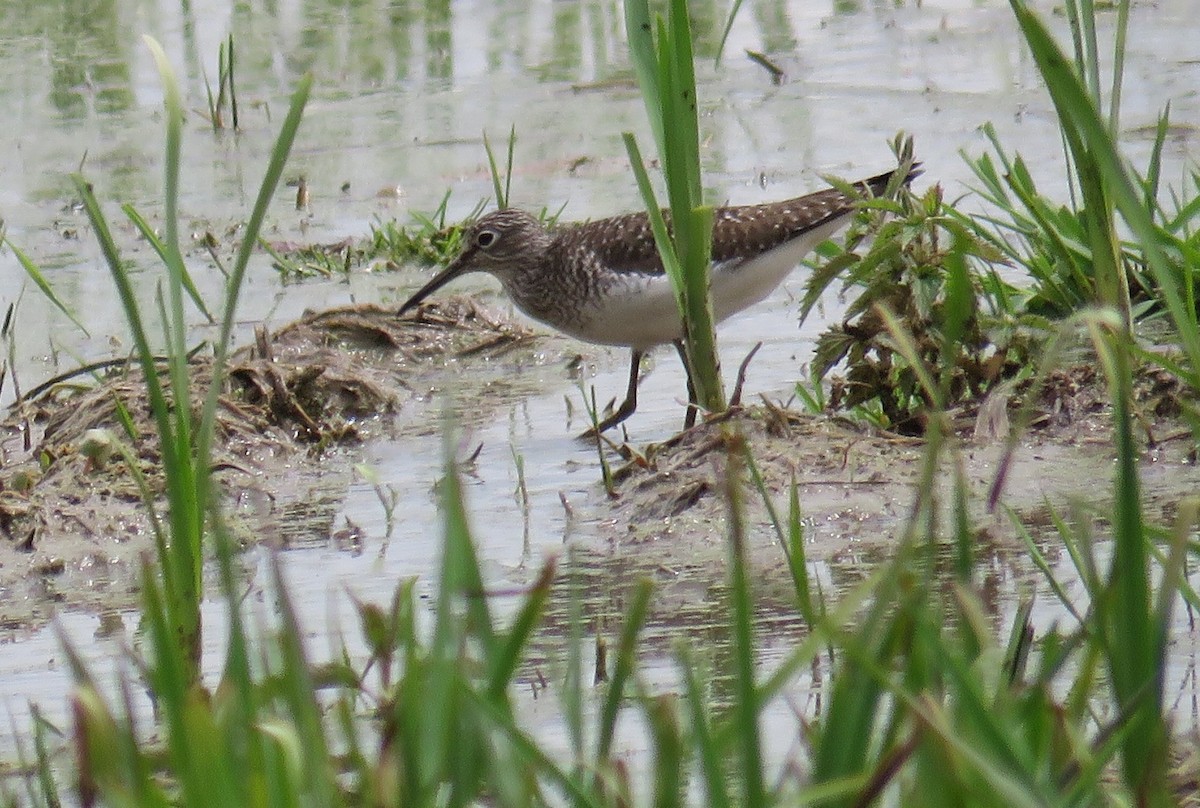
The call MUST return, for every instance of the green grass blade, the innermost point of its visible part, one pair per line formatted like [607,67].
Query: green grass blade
[503,664]
[669,764]
[635,619]
[711,769]
[658,225]
[746,694]
[233,105]
[498,187]
[187,486]
[299,696]
[640,35]
[160,249]
[35,274]
[233,288]
[1135,643]
[733,11]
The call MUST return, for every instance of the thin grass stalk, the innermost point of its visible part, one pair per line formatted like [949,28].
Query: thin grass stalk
[177,568]
[229,63]
[747,703]
[462,616]
[160,249]
[45,779]
[222,85]
[635,620]
[499,188]
[299,698]
[187,510]
[241,737]
[35,274]
[733,12]
[669,760]
[571,785]
[233,286]
[503,664]
[709,755]
[572,698]
[172,679]
[1154,169]
[1114,110]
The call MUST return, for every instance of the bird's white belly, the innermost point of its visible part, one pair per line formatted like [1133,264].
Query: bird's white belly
[639,312]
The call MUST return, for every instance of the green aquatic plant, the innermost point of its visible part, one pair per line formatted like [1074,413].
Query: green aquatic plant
[936,276]
[1074,254]
[226,89]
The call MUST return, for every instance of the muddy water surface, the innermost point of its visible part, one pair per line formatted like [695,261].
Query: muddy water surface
[402,95]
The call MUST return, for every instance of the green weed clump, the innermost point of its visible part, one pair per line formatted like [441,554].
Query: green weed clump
[934,262]
[429,239]
[929,270]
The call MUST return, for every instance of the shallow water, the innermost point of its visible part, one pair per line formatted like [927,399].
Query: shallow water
[402,94]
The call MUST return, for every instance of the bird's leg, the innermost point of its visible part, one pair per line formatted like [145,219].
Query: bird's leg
[628,405]
[689,420]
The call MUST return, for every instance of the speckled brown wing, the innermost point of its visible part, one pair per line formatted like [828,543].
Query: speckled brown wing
[626,243]
[621,243]
[750,230]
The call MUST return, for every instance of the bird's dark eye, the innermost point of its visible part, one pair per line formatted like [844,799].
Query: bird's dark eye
[486,238]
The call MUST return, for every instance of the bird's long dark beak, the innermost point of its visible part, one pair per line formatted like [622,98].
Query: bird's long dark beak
[457,267]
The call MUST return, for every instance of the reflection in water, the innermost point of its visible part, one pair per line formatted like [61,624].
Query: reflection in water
[88,54]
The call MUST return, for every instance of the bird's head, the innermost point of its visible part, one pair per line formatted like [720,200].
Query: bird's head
[504,243]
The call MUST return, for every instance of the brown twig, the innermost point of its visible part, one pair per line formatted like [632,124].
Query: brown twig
[736,399]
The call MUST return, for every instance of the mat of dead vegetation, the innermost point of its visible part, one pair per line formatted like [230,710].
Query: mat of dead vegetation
[72,522]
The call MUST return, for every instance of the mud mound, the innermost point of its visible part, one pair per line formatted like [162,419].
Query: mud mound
[69,504]
[857,485]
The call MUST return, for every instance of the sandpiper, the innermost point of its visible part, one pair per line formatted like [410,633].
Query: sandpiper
[603,281]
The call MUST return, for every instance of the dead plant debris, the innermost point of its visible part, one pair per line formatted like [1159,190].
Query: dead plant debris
[295,393]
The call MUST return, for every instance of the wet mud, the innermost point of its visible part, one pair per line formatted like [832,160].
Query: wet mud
[295,405]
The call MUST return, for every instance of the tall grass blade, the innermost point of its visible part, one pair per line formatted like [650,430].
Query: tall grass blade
[160,249]
[229,64]
[635,619]
[710,757]
[508,656]
[1136,643]
[35,275]
[662,56]
[746,706]
[233,286]
[1079,116]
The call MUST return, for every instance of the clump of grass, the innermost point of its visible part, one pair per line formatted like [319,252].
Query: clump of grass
[1072,254]
[299,262]
[226,89]
[501,183]
[431,239]
[1075,255]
